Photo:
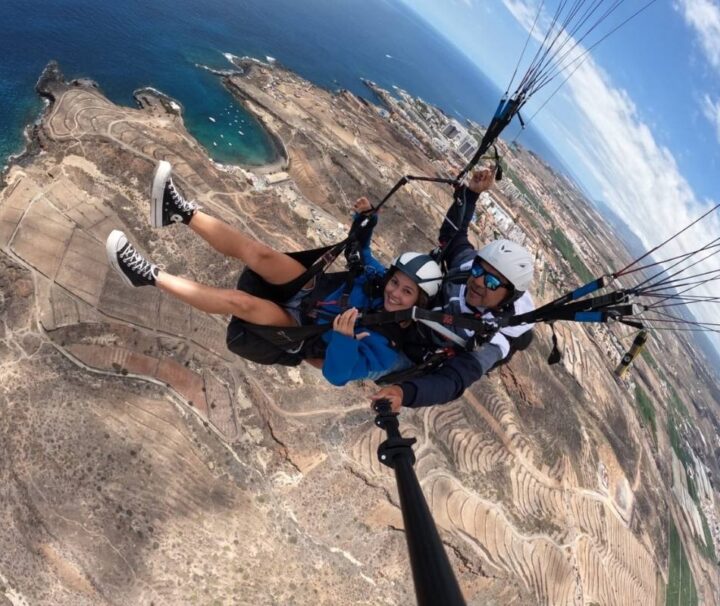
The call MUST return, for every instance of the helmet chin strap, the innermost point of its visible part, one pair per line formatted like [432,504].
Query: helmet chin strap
[511,298]
[503,307]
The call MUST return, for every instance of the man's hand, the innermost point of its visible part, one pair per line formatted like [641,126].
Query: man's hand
[393,393]
[362,205]
[481,180]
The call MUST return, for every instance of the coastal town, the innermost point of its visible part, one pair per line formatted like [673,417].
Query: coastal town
[166,458]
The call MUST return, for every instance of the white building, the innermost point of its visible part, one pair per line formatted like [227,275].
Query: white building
[460,138]
[502,219]
[453,129]
[440,145]
[467,147]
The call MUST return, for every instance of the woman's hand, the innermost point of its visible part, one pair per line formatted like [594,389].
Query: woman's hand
[345,324]
[481,180]
[362,205]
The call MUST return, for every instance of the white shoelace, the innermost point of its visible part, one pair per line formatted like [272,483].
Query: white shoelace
[136,262]
[182,204]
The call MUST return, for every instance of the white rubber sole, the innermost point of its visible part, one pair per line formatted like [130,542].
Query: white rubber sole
[116,240]
[161,176]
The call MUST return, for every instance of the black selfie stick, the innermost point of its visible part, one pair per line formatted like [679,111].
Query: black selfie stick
[434,579]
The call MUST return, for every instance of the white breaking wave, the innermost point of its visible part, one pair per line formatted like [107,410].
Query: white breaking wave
[230,57]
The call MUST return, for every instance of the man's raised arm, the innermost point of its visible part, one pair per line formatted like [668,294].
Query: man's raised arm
[453,236]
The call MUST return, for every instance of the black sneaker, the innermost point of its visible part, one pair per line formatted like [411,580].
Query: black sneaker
[167,204]
[133,268]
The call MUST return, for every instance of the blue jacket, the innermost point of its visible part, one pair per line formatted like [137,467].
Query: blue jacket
[348,359]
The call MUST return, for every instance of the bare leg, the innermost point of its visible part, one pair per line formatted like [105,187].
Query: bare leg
[224,301]
[273,266]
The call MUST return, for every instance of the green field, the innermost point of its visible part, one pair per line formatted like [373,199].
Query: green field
[681,585]
[647,410]
[675,412]
[674,434]
[517,181]
[677,415]
[708,547]
[678,403]
[648,357]
[568,251]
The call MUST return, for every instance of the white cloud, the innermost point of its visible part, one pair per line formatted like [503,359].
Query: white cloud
[704,17]
[523,11]
[711,110]
[638,177]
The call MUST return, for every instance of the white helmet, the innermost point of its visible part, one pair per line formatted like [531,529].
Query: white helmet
[421,269]
[512,260]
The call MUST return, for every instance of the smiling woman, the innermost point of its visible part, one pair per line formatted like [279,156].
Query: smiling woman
[300,297]
[412,280]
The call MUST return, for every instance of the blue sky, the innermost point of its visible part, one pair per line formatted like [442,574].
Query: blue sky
[638,123]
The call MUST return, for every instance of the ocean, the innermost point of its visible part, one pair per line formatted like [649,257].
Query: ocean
[128,44]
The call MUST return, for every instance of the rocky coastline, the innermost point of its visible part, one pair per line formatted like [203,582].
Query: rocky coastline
[50,75]
[52,82]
